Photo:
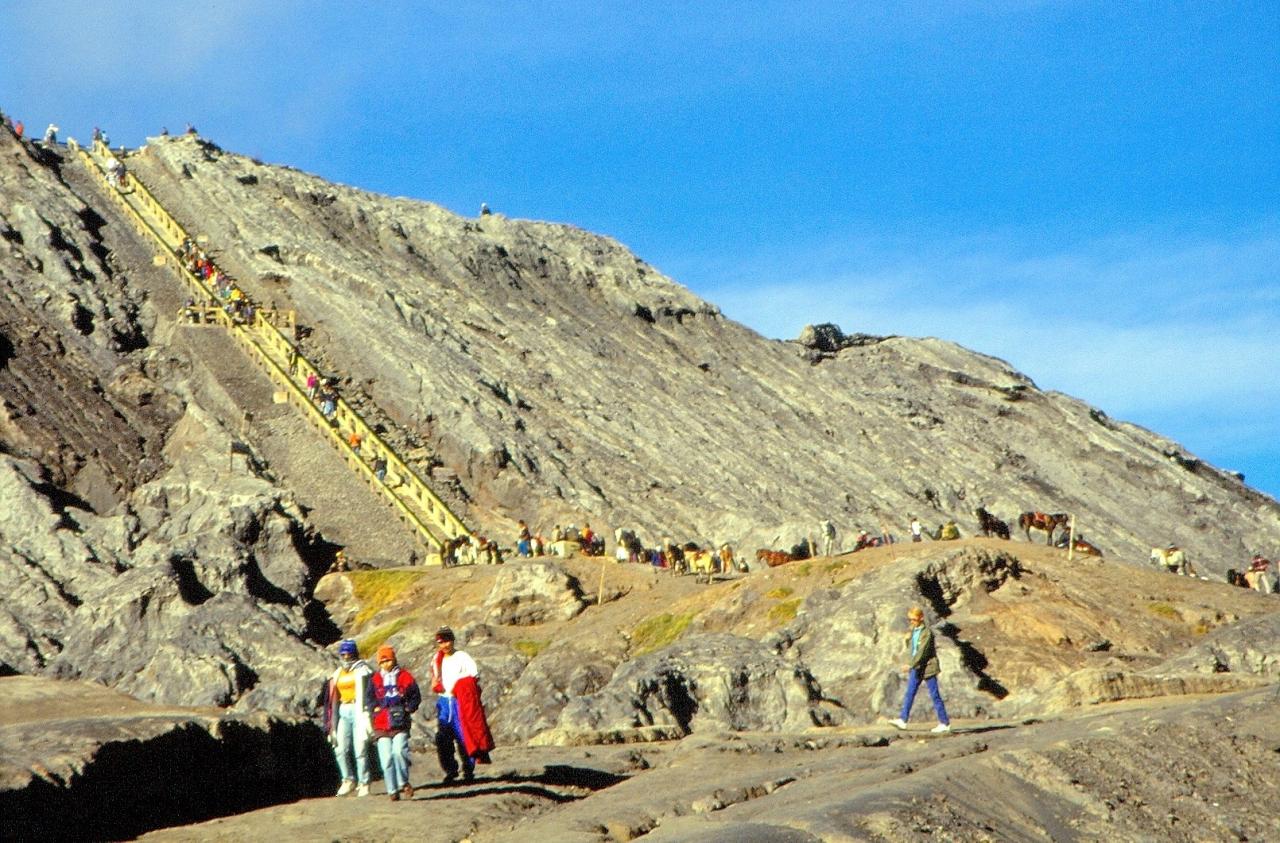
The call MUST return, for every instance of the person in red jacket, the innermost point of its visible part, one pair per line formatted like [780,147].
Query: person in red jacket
[395,698]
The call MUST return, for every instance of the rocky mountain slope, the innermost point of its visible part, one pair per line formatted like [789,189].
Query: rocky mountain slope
[565,380]
[559,378]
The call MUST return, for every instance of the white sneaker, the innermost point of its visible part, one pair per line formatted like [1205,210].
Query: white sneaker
[898,723]
[941,728]
[362,790]
[347,784]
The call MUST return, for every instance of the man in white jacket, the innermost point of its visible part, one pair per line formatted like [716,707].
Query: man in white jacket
[347,702]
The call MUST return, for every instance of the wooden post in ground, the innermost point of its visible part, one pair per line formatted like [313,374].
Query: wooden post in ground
[1071,538]
[600,590]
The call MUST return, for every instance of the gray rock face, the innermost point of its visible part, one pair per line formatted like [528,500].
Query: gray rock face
[711,682]
[78,761]
[1248,647]
[851,637]
[530,702]
[562,379]
[531,593]
[188,596]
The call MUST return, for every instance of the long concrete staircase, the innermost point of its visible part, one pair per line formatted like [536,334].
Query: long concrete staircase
[266,338]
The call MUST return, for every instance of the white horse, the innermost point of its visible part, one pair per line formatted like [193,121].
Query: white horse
[1172,559]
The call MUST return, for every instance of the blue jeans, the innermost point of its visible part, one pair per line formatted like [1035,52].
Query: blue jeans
[345,746]
[913,685]
[393,753]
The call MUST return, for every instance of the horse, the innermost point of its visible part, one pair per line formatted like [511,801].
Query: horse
[773,558]
[701,562]
[1087,548]
[1172,559]
[989,524]
[726,559]
[1042,521]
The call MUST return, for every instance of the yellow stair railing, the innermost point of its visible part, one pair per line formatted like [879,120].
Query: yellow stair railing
[262,340]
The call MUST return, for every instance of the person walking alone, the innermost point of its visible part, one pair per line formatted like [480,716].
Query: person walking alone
[395,698]
[923,666]
[346,717]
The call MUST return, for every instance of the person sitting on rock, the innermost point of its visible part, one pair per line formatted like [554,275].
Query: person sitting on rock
[949,531]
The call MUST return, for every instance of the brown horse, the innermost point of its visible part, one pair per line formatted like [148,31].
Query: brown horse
[1087,548]
[1042,521]
[773,558]
[990,525]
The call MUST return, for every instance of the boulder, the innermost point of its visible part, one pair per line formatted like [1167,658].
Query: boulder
[533,592]
[706,682]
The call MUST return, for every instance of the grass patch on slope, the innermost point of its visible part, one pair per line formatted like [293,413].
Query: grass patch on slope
[530,649]
[375,590]
[658,631]
[780,592]
[1164,610]
[370,642]
[784,612]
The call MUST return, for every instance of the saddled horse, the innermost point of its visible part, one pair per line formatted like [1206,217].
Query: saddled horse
[1172,559]
[1042,521]
[990,525]
[701,562]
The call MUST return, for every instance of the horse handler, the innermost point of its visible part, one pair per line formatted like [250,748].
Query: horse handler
[460,717]
[923,665]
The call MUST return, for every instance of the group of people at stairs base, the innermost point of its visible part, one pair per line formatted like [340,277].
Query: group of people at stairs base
[364,707]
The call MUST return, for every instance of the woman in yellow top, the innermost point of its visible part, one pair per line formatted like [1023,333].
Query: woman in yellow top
[347,703]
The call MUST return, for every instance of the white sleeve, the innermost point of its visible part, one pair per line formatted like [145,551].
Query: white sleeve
[467,666]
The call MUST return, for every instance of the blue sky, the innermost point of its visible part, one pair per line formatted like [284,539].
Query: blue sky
[1087,190]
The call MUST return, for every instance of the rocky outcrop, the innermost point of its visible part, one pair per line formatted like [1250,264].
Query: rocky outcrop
[194,594]
[1247,647]
[532,592]
[78,761]
[710,682]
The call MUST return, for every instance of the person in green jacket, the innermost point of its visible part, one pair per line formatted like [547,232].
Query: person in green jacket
[923,666]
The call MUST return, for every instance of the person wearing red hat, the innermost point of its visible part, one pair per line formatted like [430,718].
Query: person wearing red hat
[395,698]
